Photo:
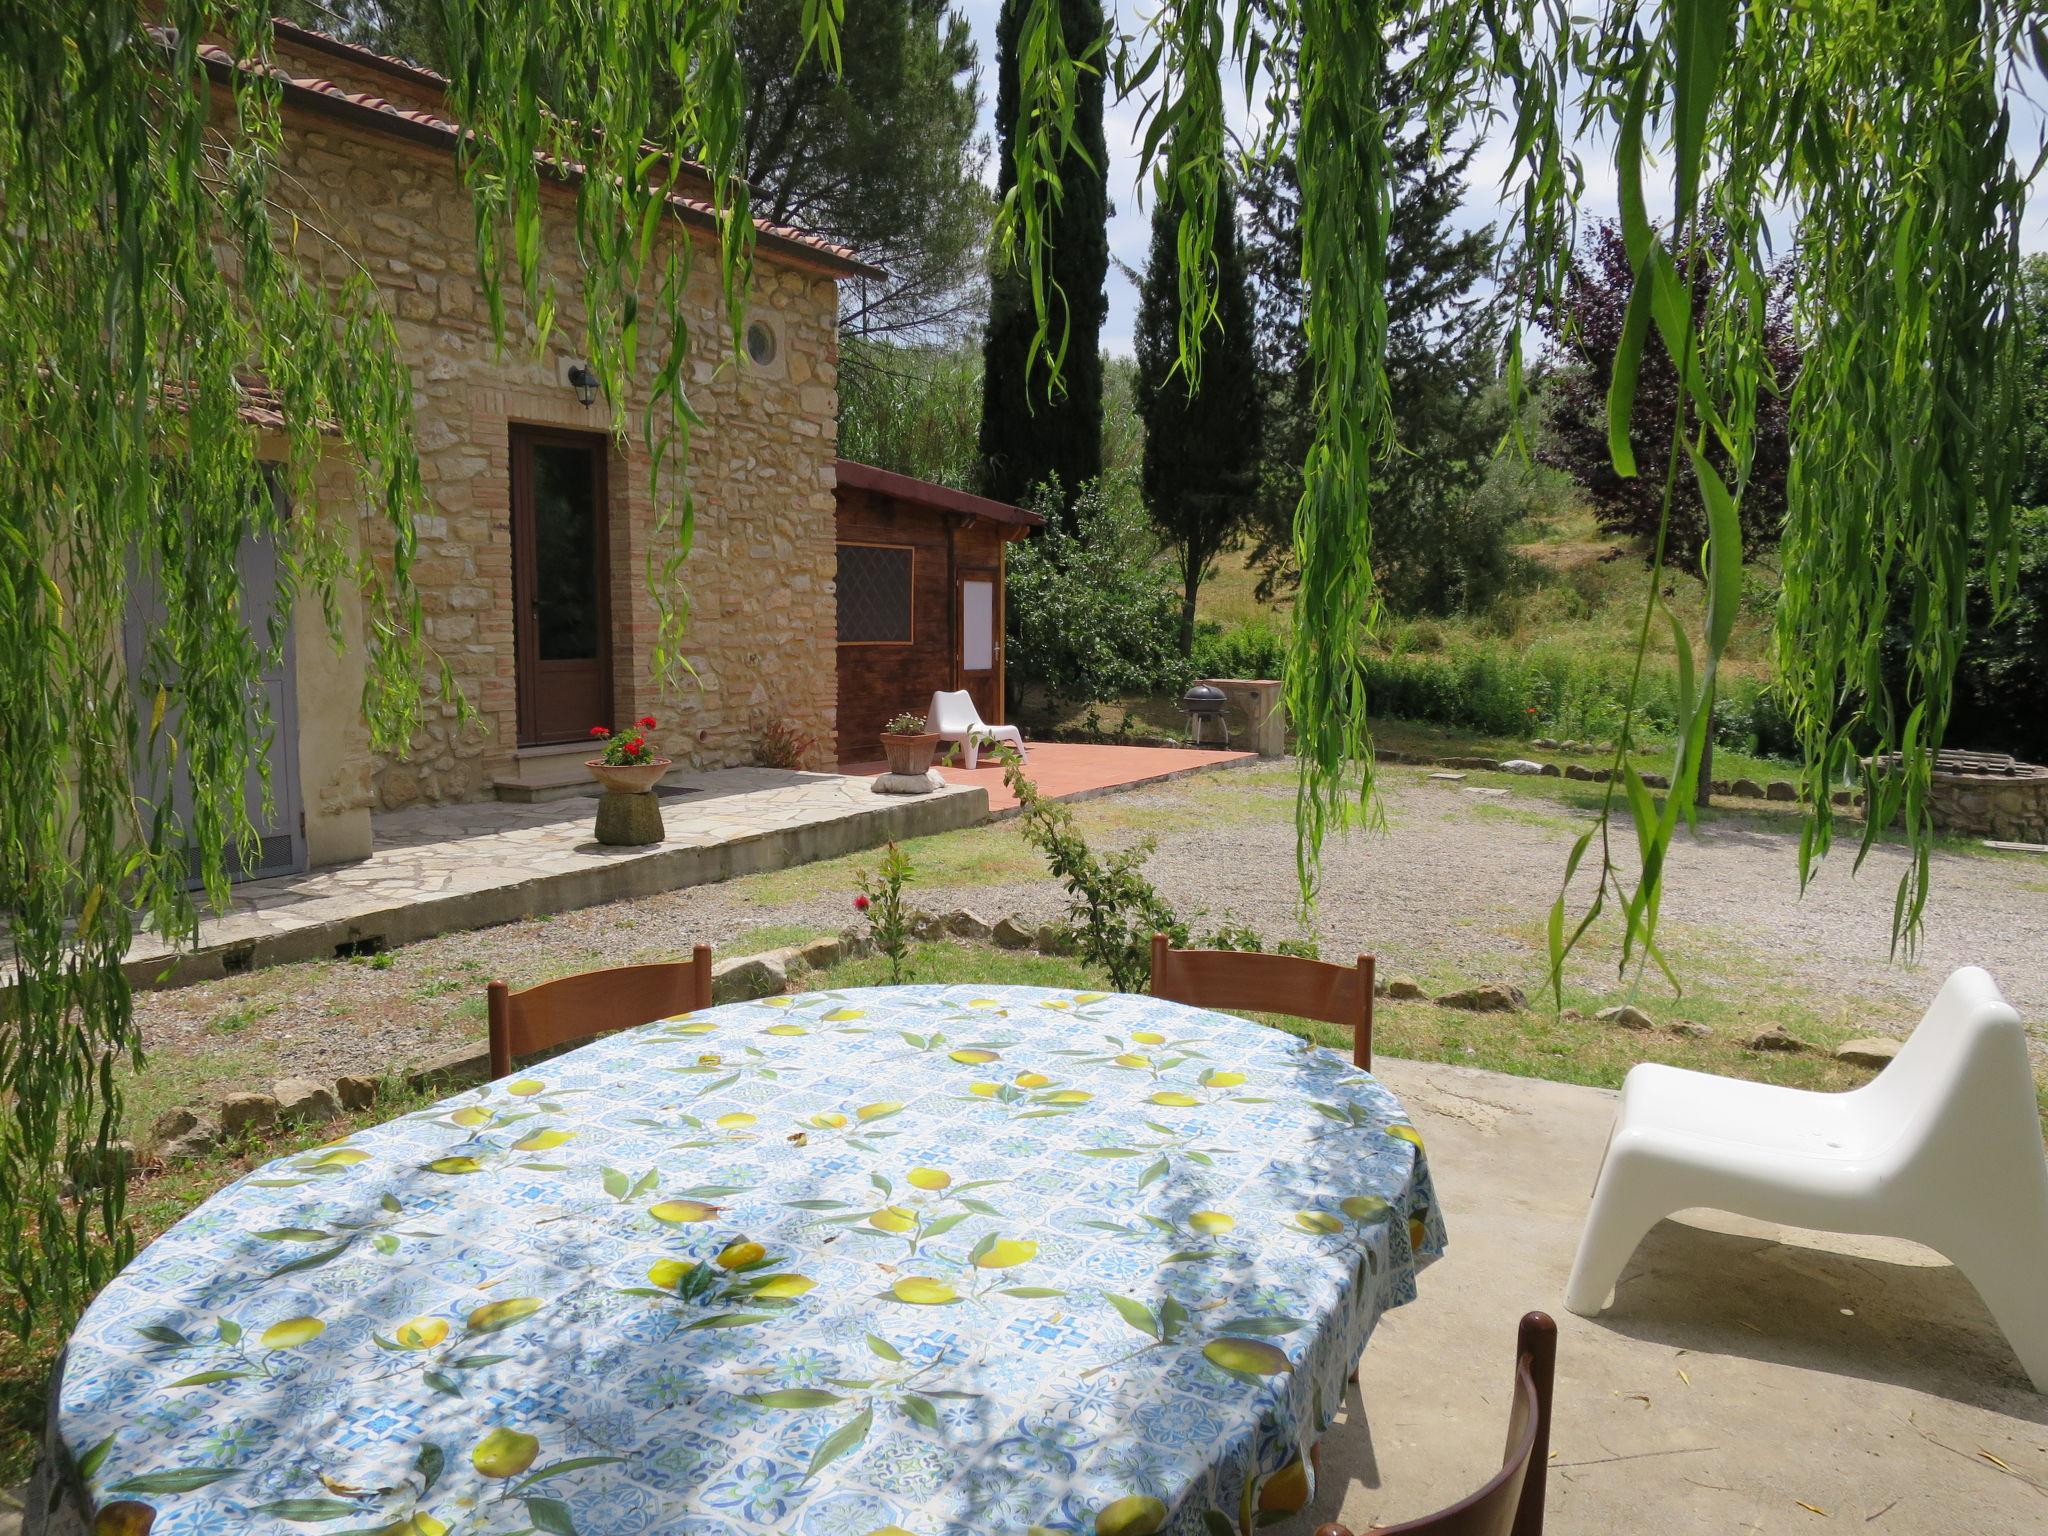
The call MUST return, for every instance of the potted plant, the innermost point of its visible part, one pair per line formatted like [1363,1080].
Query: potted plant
[626,763]
[908,745]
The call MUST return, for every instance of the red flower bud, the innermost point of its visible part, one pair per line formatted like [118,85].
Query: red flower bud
[860,903]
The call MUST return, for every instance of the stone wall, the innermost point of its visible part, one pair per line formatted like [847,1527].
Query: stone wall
[1993,805]
[759,578]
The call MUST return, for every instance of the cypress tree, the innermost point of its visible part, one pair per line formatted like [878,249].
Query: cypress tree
[1434,547]
[1027,437]
[1202,451]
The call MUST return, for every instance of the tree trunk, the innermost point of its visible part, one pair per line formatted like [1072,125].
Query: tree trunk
[1706,791]
[1191,579]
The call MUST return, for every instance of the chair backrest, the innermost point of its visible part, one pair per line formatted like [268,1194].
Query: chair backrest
[593,1003]
[1256,983]
[1962,1086]
[952,713]
[1511,1502]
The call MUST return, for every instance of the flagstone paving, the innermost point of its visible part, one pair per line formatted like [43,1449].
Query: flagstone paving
[435,868]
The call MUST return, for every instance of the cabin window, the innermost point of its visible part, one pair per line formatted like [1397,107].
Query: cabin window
[874,594]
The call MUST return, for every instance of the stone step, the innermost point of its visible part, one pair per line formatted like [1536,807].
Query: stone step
[520,789]
[547,773]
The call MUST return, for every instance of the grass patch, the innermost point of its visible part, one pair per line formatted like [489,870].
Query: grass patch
[988,855]
[997,854]
[1441,741]
[1493,810]
[773,936]
[190,1077]
[232,1021]
[950,961]
[1570,1045]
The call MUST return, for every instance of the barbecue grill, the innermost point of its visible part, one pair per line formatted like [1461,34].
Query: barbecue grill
[1201,704]
[1955,760]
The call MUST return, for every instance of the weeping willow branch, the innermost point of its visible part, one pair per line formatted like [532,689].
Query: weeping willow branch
[145,281]
[1892,169]
[148,279]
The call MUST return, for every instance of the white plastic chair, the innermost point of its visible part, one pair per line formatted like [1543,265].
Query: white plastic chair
[954,718]
[1943,1147]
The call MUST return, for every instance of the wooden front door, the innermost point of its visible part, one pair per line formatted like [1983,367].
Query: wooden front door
[560,584]
[978,610]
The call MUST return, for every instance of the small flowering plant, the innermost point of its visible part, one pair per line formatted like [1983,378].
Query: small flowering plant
[908,723]
[625,748]
[881,902]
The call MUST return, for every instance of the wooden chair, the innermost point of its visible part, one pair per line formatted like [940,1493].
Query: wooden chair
[1256,983]
[593,1003]
[1511,1503]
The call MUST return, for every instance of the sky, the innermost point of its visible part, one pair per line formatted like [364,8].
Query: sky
[1130,230]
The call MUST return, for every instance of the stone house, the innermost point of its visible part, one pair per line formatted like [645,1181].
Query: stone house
[533,555]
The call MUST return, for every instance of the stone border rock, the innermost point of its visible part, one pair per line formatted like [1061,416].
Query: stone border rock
[1781,790]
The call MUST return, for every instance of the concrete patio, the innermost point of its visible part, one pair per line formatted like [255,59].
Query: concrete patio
[438,868]
[1747,1378]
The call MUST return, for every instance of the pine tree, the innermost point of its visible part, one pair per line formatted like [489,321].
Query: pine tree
[1202,451]
[1027,437]
[1434,547]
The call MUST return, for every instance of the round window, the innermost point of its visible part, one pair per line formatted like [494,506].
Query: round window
[760,343]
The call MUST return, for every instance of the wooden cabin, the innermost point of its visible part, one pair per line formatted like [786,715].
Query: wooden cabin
[920,590]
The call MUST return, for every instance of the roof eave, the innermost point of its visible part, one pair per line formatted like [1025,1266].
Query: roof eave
[788,248]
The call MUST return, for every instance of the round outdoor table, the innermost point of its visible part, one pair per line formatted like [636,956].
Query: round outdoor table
[936,1260]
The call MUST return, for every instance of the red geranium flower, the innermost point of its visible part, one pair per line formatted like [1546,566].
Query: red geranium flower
[860,903]
[636,744]
[599,731]
[647,722]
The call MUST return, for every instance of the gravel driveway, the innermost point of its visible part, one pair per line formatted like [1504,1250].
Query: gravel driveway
[1456,885]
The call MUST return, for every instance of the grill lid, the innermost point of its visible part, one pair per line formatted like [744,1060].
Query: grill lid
[1956,760]
[1204,699]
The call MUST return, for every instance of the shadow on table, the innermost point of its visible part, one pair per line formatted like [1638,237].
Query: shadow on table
[1919,1325]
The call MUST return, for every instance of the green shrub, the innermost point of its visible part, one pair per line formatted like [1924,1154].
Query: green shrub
[1494,687]
[1254,648]
[1091,615]
[912,409]
[1113,908]
[2002,681]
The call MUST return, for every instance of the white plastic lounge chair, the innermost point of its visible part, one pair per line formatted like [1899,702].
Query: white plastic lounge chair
[954,717]
[1943,1147]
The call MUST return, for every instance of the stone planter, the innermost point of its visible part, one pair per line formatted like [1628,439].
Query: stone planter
[629,778]
[628,814]
[910,756]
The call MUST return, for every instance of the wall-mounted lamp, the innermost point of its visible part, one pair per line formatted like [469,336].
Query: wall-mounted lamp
[584,382]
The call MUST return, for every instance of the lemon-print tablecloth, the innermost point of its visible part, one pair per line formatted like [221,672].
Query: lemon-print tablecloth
[944,1261]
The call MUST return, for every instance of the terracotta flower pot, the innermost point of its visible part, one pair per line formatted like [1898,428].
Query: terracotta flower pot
[910,755]
[629,778]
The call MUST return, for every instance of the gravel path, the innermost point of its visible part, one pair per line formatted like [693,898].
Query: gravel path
[1455,886]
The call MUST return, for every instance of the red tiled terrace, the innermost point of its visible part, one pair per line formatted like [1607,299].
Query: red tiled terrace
[1076,771]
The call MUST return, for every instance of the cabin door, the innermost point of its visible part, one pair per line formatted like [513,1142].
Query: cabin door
[560,584]
[980,616]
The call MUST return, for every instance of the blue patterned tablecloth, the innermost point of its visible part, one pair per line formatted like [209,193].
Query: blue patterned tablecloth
[903,1261]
